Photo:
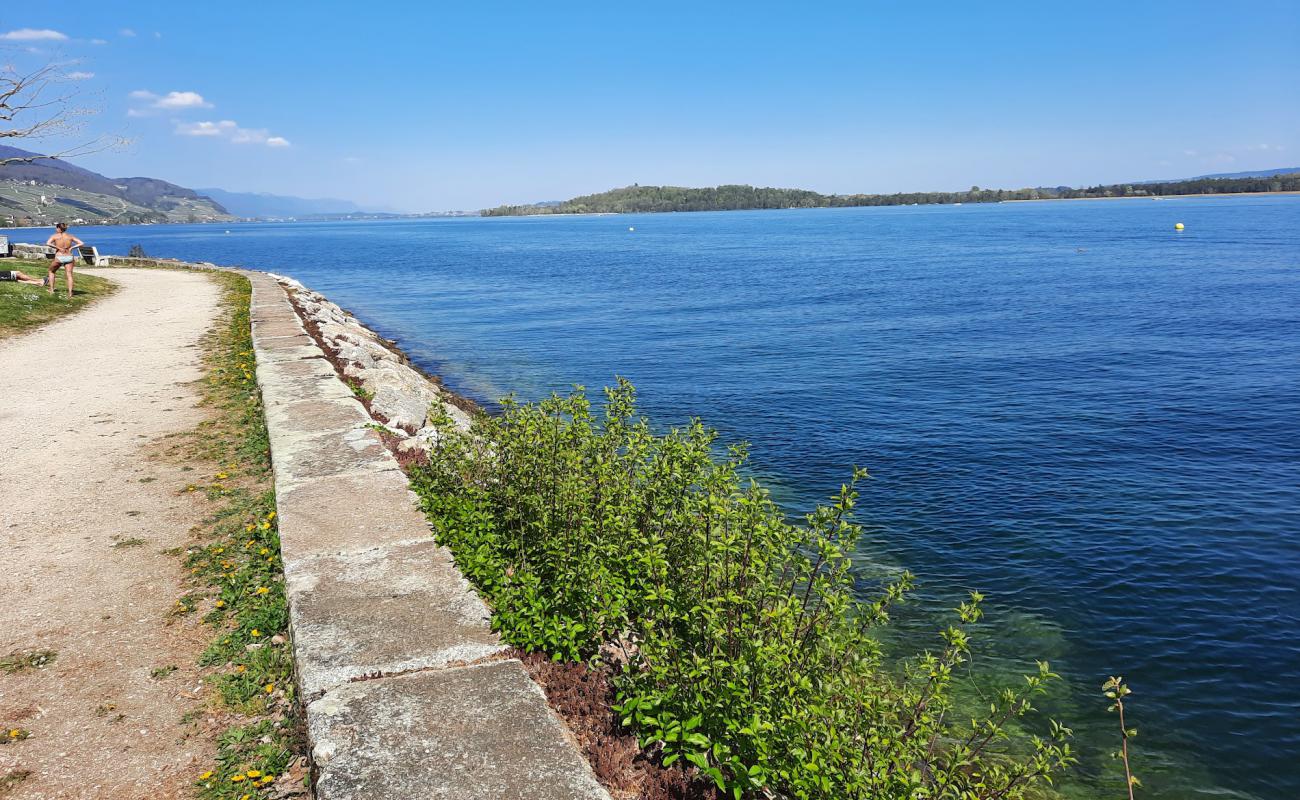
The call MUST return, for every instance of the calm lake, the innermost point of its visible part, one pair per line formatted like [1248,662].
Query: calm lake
[1069,406]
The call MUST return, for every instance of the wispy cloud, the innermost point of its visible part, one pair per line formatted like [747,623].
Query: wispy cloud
[99,41]
[230,130]
[79,76]
[33,35]
[127,32]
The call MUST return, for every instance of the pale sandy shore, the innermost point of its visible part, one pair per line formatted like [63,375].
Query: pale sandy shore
[83,398]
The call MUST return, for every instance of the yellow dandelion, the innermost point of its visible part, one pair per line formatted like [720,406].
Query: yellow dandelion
[221,604]
[254,773]
[267,778]
[262,590]
[264,550]
[15,733]
[270,687]
[271,515]
[205,775]
[240,668]
[236,778]
[221,475]
[245,796]
[266,526]
[255,633]
[269,560]
[250,528]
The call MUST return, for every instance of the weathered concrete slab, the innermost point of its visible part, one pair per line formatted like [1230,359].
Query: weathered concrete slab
[298,368]
[345,513]
[479,733]
[299,456]
[292,381]
[382,611]
[276,327]
[287,348]
[320,415]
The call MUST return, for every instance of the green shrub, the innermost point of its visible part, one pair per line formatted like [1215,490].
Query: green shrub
[745,649]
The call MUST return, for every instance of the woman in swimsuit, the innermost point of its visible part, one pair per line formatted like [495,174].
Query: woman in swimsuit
[62,242]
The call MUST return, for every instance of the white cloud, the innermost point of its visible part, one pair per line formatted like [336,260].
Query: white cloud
[175,100]
[229,129]
[157,35]
[80,76]
[34,35]
[223,128]
[172,101]
[127,32]
[99,41]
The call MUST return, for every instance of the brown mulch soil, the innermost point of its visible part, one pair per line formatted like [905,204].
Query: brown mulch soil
[583,697]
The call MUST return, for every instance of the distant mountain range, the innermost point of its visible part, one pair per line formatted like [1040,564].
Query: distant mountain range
[1260,173]
[275,206]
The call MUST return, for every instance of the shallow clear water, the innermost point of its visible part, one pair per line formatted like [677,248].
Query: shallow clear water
[1068,406]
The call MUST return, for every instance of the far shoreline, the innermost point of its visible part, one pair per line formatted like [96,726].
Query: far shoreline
[1140,197]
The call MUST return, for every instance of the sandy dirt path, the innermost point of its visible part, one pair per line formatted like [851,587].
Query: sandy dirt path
[84,521]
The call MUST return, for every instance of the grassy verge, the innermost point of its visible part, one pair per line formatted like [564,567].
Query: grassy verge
[236,578]
[24,306]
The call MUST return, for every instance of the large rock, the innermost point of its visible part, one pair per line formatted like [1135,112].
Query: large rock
[400,394]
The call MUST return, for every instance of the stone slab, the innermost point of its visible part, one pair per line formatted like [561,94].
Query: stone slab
[302,455]
[314,414]
[478,733]
[345,513]
[289,382]
[278,327]
[287,348]
[386,610]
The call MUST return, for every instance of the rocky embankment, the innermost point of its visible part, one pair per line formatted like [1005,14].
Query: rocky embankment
[396,393]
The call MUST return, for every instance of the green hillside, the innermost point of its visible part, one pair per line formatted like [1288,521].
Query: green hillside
[651,199]
[52,190]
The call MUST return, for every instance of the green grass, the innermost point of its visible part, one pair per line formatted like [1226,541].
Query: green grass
[24,306]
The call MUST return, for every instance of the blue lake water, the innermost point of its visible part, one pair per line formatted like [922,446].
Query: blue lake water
[1068,406]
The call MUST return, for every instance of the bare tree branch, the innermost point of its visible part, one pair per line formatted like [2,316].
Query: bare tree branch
[36,105]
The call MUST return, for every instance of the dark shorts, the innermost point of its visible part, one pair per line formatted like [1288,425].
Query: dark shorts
[8,275]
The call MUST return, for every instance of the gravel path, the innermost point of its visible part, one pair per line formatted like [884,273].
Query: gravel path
[84,518]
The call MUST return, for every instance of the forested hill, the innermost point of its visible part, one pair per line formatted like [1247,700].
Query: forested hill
[642,199]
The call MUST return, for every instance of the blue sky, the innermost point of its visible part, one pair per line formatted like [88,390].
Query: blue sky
[424,106]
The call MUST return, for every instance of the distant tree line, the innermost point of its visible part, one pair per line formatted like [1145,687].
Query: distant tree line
[649,199]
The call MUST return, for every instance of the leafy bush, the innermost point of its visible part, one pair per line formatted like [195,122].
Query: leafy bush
[745,650]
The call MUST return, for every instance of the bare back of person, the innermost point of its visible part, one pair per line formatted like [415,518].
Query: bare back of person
[63,243]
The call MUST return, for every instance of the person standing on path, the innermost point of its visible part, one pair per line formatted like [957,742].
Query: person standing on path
[62,242]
